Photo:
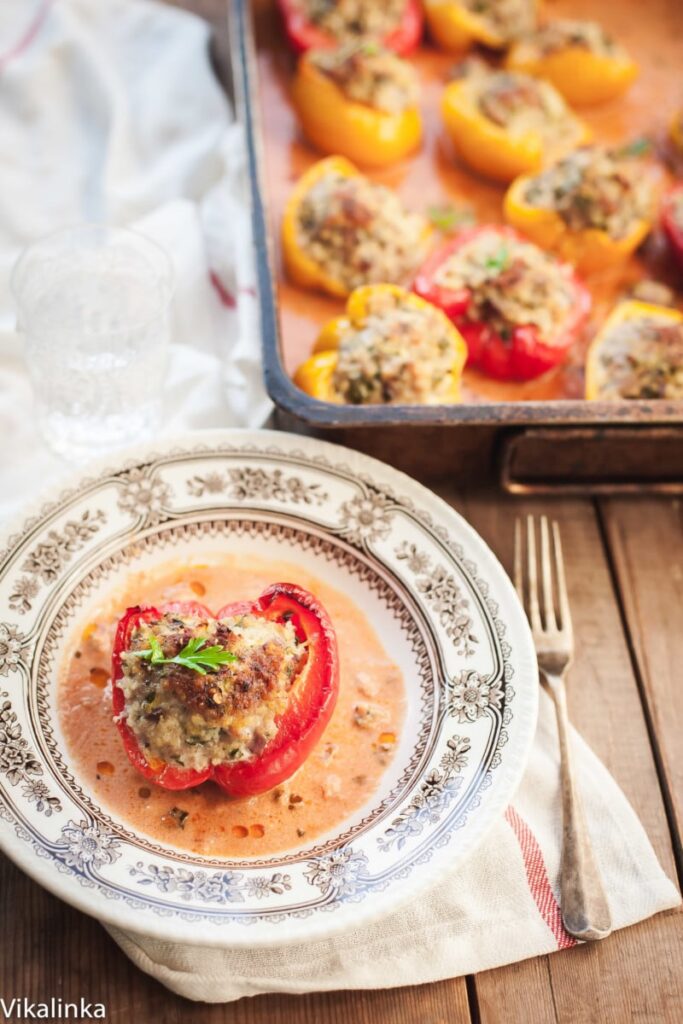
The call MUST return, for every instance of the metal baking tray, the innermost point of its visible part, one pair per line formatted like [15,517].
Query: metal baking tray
[531,443]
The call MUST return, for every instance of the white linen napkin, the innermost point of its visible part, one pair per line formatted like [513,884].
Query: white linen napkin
[110,111]
[501,907]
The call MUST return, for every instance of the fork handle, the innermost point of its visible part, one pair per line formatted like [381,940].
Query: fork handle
[585,911]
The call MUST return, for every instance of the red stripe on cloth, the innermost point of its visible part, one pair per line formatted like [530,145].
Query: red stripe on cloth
[226,297]
[29,35]
[537,877]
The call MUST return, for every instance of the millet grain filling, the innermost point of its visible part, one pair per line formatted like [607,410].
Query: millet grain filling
[370,74]
[513,283]
[359,232]
[643,358]
[594,187]
[354,20]
[183,718]
[399,355]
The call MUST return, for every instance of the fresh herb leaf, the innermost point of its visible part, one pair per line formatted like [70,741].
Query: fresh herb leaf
[499,260]
[194,655]
[637,147]
[449,218]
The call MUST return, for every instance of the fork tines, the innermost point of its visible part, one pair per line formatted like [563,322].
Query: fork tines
[537,548]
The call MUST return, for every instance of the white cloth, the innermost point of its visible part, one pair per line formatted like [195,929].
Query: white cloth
[110,111]
[499,908]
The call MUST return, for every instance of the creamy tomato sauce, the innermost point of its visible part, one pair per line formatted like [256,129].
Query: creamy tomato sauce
[337,778]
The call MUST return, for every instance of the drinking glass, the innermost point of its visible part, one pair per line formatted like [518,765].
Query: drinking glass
[93,308]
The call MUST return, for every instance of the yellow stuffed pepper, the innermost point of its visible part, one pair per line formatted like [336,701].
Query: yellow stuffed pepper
[457,25]
[360,102]
[341,231]
[638,354]
[390,347]
[506,123]
[579,58]
[593,207]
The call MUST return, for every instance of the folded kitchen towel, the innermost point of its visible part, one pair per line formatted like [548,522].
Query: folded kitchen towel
[500,907]
[110,112]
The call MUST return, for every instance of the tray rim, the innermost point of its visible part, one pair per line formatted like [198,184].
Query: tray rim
[316,413]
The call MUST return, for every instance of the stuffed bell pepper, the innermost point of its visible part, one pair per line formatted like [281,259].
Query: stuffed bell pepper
[638,353]
[518,308]
[672,222]
[505,123]
[457,25]
[341,231]
[390,347]
[240,697]
[579,58]
[325,24]
[593,207]
[360,101]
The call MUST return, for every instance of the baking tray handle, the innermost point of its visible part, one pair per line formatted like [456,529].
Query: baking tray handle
[592,460]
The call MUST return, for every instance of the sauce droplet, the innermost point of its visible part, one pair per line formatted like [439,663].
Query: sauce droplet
[105,767]
[257,831]
[198,588]
[240,832]
[144,792]
[99,676]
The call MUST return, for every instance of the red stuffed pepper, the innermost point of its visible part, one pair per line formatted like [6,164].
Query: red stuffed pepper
[397,24]
[672,221]
[518,308]
[240,697]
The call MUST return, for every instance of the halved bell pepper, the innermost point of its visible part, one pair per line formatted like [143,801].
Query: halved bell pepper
[589,249]
[336,124]
[672,221]
[454,27]
[624,312]
[491,148]
[311,701]
[521,355]
[300,267]
[582,76]
[316,375]
[304,35]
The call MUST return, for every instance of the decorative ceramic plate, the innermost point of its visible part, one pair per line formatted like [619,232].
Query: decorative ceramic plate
[434,593]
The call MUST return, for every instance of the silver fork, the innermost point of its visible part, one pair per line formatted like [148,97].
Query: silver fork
[585,911]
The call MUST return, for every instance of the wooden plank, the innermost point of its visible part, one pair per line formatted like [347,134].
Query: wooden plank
[636,973]
[645,539]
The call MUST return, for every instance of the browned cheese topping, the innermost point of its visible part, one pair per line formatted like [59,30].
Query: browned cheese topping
[594,187]
[642,358]
[359,232]
[193,720]
[370,74]
[512,284]
[509,19]
[354,19]
[401,354]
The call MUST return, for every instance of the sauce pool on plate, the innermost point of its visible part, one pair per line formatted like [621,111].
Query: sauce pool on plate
[338,777]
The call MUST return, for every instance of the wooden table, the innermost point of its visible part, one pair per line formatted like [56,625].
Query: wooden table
[625,568]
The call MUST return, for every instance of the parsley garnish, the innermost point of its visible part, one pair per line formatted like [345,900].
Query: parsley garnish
[638,147]
[194,655]
[499,260]
[448,219]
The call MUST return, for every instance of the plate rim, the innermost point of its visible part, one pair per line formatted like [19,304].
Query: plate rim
[321,926]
